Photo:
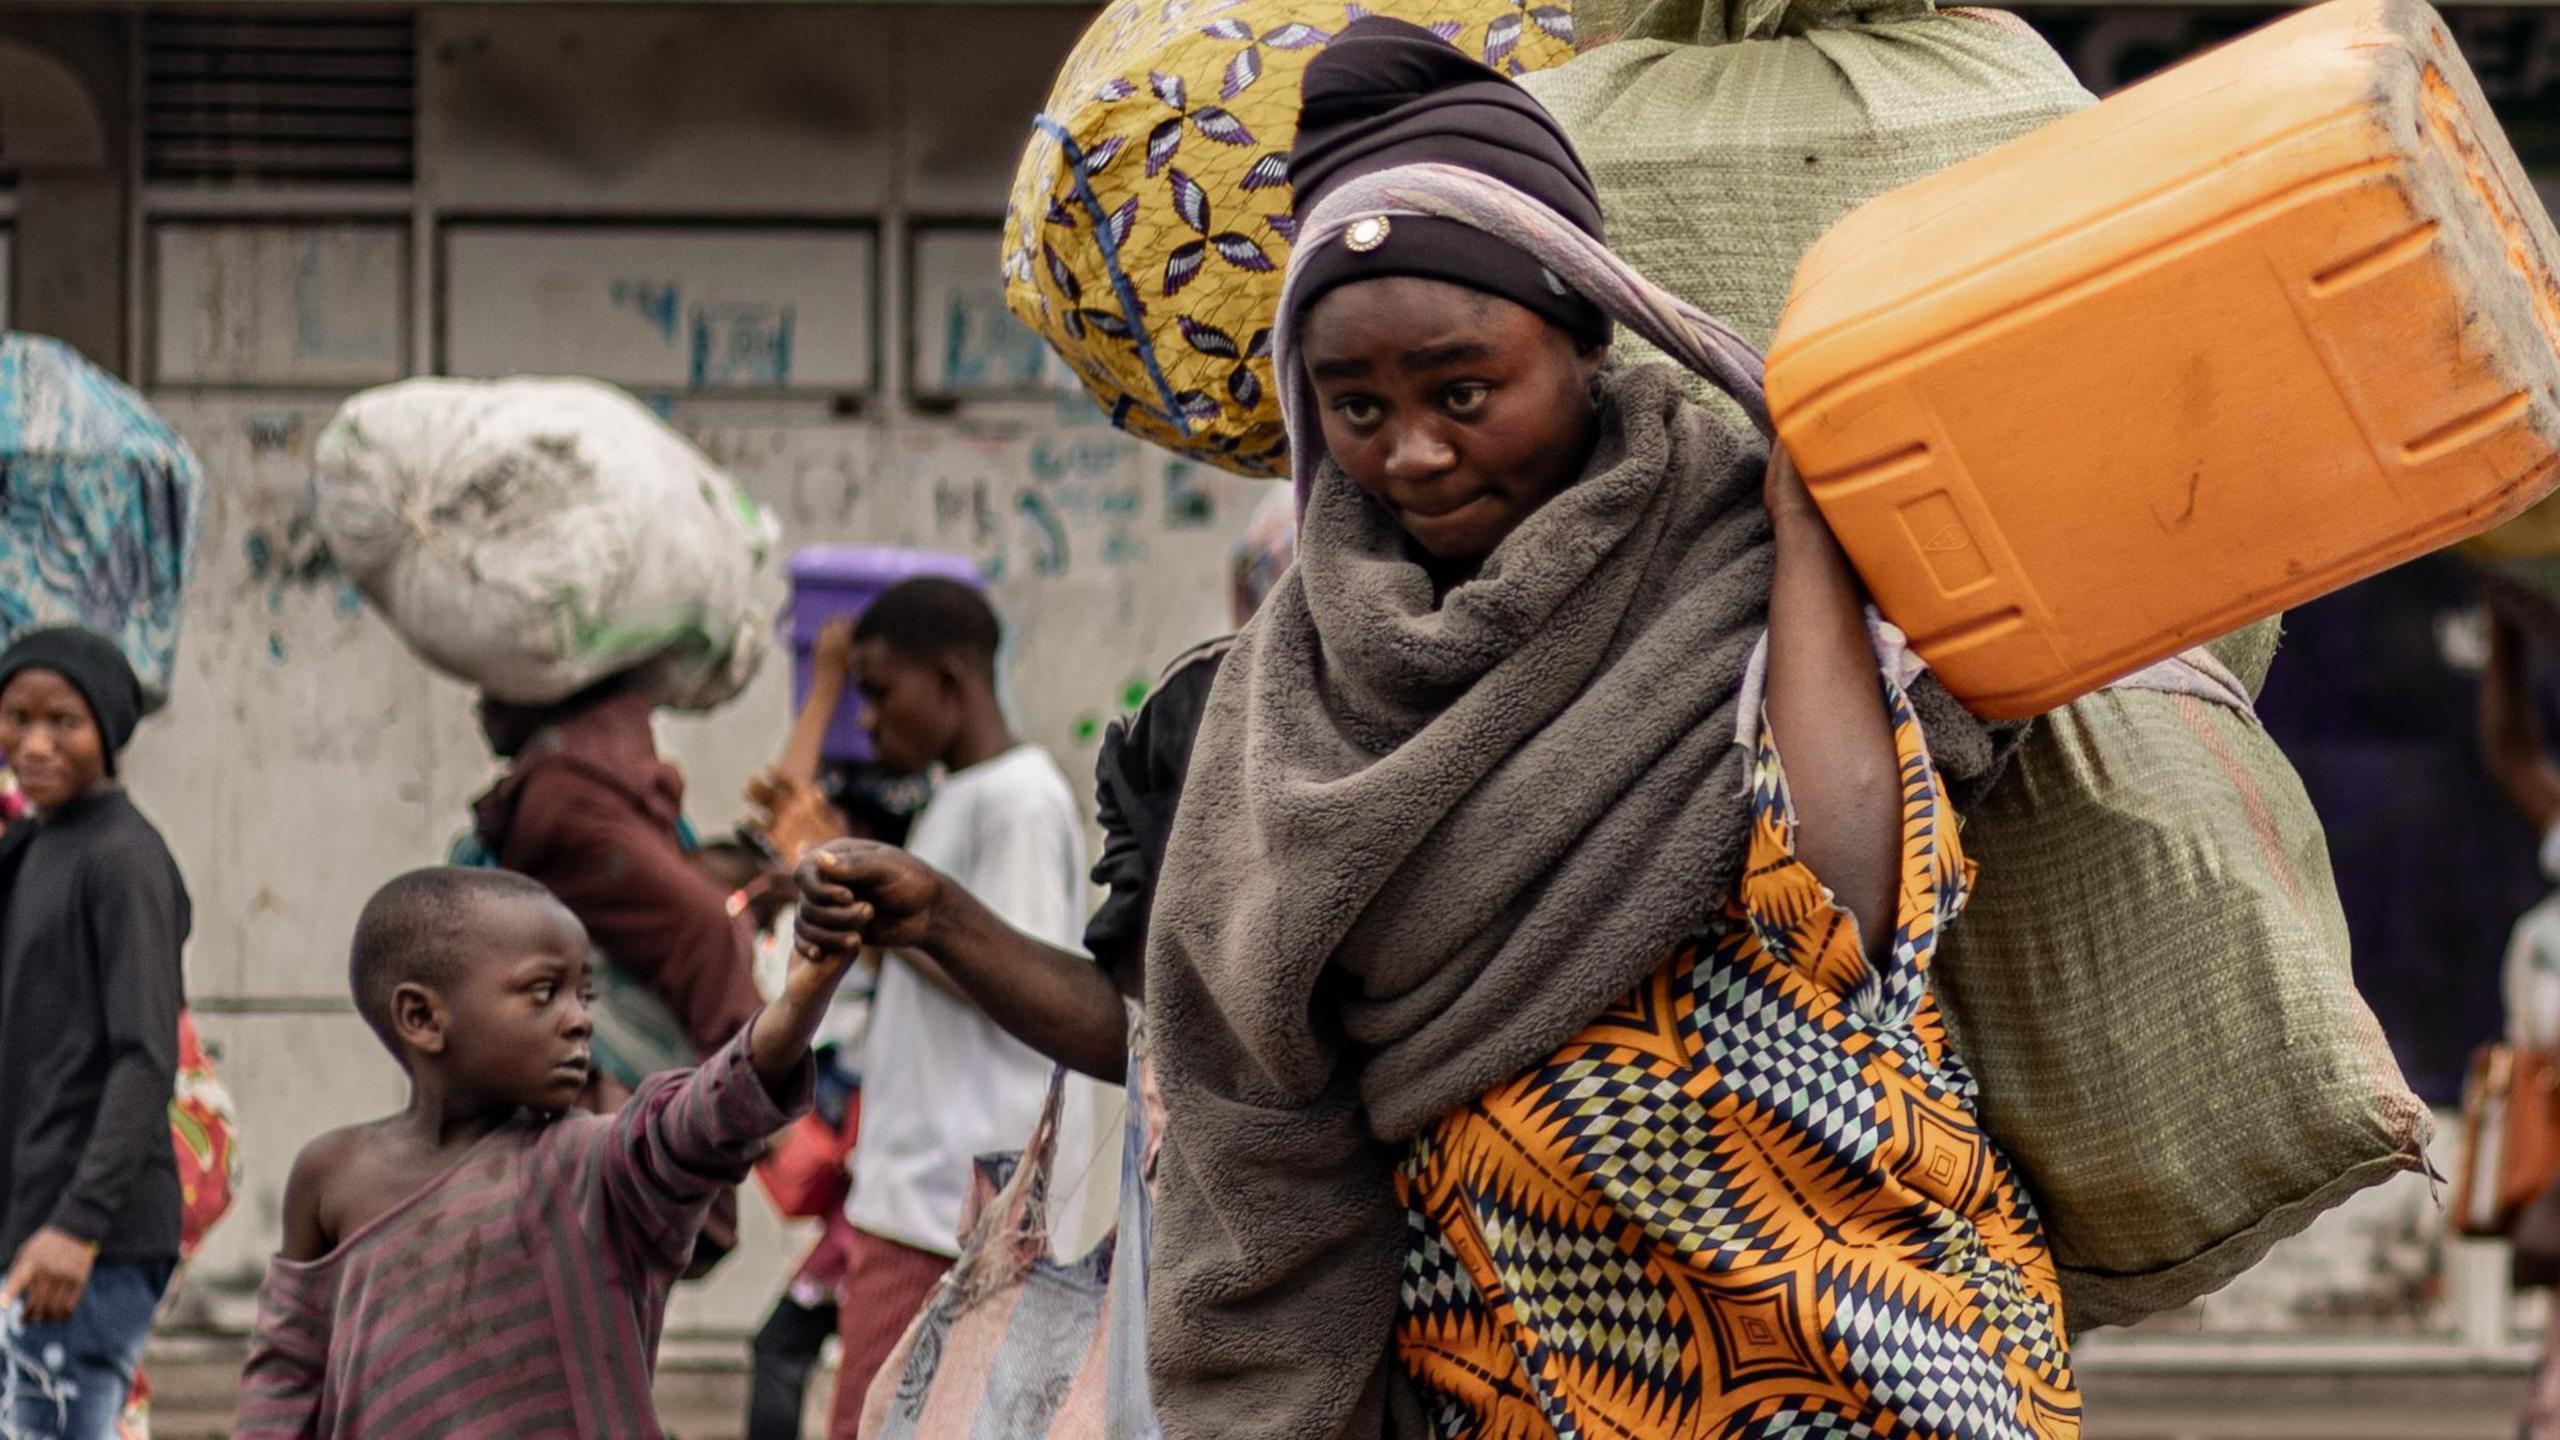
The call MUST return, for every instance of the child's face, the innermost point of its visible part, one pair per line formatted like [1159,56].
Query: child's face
[517,1028]
[910,707]
[50,739]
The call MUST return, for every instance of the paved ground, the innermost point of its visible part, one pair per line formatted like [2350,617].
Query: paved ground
[701,1388]
[2296,1407]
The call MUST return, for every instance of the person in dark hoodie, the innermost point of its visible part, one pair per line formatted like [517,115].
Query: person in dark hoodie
[93,915]
[588,808]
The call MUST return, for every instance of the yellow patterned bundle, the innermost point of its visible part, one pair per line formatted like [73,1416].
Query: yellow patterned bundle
[1149,224]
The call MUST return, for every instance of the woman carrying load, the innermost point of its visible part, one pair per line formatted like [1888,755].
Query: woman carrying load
[1538,963]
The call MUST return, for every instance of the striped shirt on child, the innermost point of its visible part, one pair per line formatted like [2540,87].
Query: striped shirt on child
[521,1293]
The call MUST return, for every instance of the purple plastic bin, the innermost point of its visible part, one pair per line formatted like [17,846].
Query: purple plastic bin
[832,581]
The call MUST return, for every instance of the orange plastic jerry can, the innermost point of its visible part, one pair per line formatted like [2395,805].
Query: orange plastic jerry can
[2257,327]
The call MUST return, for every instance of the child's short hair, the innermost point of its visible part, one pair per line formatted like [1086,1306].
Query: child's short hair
[411,930]
[929,618]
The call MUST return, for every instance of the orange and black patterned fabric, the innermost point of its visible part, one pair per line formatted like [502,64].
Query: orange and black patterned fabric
[1750,1202]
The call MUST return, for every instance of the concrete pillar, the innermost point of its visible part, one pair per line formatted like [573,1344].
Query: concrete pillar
[64,129]
[70,262]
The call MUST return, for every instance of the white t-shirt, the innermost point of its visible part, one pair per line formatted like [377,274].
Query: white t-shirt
[941,1084]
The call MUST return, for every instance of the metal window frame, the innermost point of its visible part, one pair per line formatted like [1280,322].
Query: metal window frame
[146,314]
[444,222]
[920,229]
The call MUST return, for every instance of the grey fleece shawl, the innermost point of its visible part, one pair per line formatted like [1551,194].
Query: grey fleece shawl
[1424,841]
[1422,844]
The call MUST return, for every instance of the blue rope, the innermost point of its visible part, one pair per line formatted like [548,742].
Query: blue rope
[1111,266]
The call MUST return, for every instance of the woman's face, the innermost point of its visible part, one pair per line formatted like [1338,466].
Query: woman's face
[1460,412]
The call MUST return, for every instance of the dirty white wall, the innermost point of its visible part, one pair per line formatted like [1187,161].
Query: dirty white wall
[306,756]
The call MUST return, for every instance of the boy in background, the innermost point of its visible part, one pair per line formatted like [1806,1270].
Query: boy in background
[941,1082]
[1070,1006]
[1066,1005]
[493,1261]
[93,915]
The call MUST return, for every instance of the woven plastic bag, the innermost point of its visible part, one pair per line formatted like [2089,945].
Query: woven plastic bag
[1149,224]
[204,1127]
[1012,1342]
[532,537]
[101,509]
[2152,991]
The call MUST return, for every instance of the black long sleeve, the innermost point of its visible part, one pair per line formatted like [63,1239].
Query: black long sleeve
[137,914]
[91,929]
[1137,780]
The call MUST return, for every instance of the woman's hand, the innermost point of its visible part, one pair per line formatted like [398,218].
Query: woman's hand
[1783,491]
[1803,533]
[855,893]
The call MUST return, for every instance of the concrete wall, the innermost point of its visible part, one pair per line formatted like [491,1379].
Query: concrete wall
[306,756]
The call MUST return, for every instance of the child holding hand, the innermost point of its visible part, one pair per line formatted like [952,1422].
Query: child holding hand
[492,1261]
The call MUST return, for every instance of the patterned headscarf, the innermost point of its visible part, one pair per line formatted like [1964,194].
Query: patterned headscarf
[1401,135]
[1387,94]
[1672,325]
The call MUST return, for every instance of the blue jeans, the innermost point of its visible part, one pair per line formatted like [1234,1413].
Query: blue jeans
[71,1380]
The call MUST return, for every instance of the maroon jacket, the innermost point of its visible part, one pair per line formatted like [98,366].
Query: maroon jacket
[590,810]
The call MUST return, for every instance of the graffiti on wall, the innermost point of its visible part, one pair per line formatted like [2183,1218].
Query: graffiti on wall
[279,303]
[662,308]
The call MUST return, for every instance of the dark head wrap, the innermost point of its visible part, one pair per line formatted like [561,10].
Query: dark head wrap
[95,668]
[1387,93]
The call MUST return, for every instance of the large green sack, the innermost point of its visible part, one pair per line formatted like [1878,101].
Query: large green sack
[1720,162]
[2151,985]
[2151,988]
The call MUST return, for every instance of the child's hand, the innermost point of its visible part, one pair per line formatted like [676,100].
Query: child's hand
[833,653]
[857,892]
[833,926]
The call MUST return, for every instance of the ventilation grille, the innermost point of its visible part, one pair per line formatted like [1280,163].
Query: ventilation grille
[280,96]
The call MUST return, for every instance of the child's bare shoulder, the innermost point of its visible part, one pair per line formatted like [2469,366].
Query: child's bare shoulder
[314,1205]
